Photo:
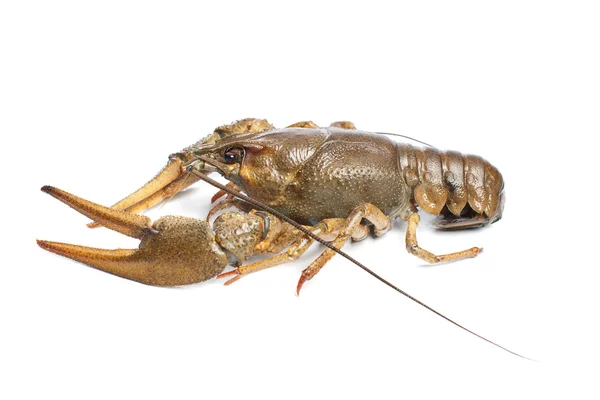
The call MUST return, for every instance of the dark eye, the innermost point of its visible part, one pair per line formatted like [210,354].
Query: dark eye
[233,155]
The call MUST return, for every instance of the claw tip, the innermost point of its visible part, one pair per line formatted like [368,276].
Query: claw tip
[300,284]
[47,189]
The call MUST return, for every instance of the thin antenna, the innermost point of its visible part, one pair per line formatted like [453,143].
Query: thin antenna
[328,245]
[403,136]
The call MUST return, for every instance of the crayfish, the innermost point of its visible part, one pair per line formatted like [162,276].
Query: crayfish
[302,184]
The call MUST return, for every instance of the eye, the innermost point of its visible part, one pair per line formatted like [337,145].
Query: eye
[233,155]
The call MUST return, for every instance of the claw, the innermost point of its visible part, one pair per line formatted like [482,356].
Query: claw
[126,223]
[301,281]
[173,178]
[168,182]
[173,251]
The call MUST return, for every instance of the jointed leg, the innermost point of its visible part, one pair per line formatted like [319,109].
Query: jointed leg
[310,124]
[227,204]
[381,223]
[303,124]
[327,229]
[413,247]
[222,193]
[343,125]
[296,242]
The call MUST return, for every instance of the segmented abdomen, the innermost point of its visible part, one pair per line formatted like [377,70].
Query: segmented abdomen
[449,178]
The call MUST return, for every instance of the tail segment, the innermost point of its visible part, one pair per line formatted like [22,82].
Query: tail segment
[466,191]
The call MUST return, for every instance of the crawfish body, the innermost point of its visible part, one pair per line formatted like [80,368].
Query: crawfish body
[312,174]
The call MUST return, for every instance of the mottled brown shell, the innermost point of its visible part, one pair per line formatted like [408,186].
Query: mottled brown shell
[451,179]
[310,174]
[195,258]
[239,233]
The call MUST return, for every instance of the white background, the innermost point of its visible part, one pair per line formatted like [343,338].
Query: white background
[94,96]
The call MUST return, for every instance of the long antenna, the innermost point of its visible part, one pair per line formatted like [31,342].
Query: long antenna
[403,136]
[328,245]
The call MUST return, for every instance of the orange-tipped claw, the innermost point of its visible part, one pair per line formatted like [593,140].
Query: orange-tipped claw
[173,251]
[167,183]
[173,178]
[168,174]
[120,262]
[128,224]
[300,284]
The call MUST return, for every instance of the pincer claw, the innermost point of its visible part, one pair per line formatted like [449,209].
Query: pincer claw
[172,179]
[173,250]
